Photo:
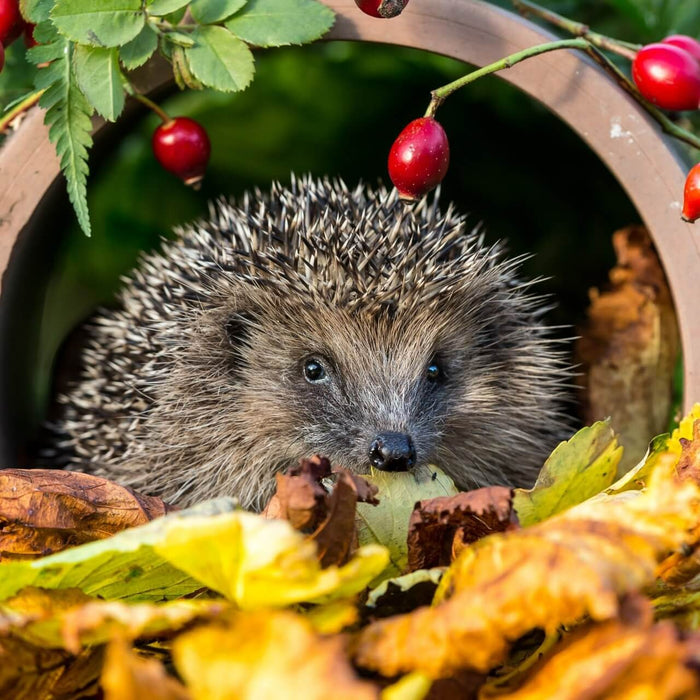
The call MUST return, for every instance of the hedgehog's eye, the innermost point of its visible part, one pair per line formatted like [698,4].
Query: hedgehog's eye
[314,371]
[434,371]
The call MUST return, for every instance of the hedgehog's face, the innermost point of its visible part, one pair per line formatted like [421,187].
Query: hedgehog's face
[362,389]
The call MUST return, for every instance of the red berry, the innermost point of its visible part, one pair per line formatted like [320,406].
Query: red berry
[11,22]
[181,146]
[382,8]
[667,76]
[691,195]
[419,158]
[687,43]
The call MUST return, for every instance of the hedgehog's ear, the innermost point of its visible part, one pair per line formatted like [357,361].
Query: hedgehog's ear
[237,328]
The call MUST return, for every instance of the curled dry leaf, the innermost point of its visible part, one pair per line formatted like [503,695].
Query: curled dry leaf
[439,528]
[266,655]
[627,658]
[629,346]
[327,518]
[300,497]
[47,510]
[127,676]
[575,565]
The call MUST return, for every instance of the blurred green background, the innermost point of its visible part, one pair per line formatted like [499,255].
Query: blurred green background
[335,109]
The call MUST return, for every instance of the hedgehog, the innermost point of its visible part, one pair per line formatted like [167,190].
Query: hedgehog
[316,319]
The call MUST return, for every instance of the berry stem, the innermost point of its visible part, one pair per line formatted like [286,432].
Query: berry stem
[18,109]
[439,95]
[165,117]
[622,48]
[626,84]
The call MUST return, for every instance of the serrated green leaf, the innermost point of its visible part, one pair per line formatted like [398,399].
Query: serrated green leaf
[98,75]
[158,8]
[219,59]
[105,23]
[68,118]
[281,22]
[139,49]
[387,523]
[210,11]
[577,470]
[35,11]
[45,33]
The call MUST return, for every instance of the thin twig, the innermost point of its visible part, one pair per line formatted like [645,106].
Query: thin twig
[18,109]
[622,48]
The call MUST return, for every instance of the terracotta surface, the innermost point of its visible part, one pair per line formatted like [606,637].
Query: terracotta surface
[615,127]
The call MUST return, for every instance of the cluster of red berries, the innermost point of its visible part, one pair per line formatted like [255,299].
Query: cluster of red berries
[668,75]
[11,26]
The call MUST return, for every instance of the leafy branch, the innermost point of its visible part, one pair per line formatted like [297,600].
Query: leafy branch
[86,50]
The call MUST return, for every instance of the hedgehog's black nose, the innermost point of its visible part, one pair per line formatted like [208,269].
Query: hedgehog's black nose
[392,452]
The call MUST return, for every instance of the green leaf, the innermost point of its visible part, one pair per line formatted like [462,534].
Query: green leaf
[577,470]
[220,60]
[164,7]
[254,561]
[281,22]
[210,11]
[35,11]
[104,23]
[387,523]
[139,49]
[68,118]
[98,75]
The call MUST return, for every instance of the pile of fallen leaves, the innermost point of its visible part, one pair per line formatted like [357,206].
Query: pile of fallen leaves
[390,586]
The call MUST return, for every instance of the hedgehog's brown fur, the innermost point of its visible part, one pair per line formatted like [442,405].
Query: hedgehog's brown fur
[194,388]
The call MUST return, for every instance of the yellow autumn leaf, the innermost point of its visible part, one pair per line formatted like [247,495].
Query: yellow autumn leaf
[266,655]
[619,659]
[127,676]
[69,619]
[251,560]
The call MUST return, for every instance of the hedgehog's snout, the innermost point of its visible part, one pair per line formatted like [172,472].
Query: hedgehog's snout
[392,452]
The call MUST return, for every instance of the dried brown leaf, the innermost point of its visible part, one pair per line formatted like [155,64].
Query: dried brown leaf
[440,528]
[327,518]
[629,347]
[127,676]
[47,510]
[28,672]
